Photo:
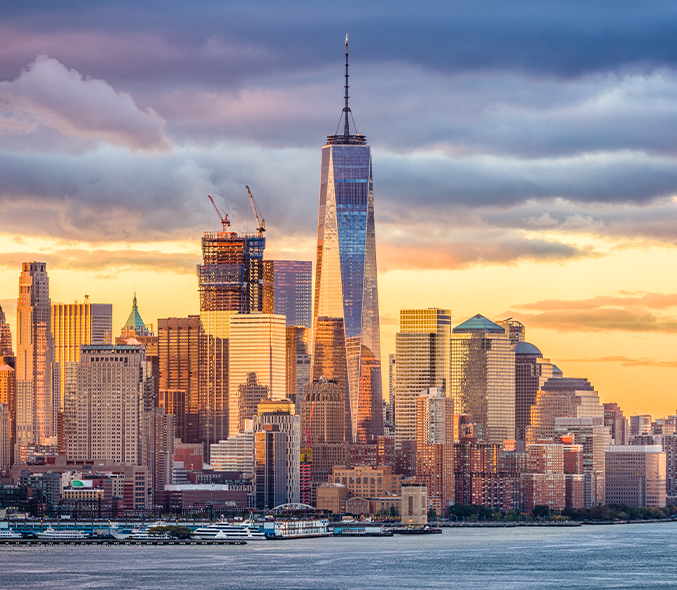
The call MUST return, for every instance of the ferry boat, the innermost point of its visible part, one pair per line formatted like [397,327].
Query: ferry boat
[296,529]
[142,534]
[222,531]
[61,534]
[10,534]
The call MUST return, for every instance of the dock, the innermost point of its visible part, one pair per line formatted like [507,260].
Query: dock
[107,541]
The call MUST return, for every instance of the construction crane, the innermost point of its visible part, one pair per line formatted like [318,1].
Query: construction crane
[260,222]
[225,222]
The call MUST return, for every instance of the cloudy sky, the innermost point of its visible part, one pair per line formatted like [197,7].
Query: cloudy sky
[525,158]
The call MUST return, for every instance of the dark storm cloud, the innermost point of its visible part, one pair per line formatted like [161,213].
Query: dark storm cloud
[543,37]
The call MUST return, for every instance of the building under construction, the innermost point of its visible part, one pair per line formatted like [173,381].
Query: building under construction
[231,273]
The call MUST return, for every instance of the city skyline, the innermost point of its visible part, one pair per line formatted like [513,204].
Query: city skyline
[513,179]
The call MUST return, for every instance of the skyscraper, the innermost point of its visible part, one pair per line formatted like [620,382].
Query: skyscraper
[35,404]
[75,324]
[483,377]
[435,447]
[5,337]
[180,374]
[346,313]
[256,345]
[288,286]
[531,373]
[230,282]
[422,361]
[107,410]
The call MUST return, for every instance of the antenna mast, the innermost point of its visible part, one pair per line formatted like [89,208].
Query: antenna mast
[346,109]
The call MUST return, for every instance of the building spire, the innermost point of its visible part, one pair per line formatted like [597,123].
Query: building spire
[346,138]
[346,108]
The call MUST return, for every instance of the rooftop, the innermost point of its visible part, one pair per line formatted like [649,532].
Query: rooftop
[478,323]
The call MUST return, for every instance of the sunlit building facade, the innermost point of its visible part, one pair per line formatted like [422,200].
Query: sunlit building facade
[435,447]
[559,398]
[635,475]
[531,373]
[483,377]
[257,344]
[422,360]
[230,281]
[298,363]
[346,312]
[75,324]
[179,341]
[36,404]
[288,290]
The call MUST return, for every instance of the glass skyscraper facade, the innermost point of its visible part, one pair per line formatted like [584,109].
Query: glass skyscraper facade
[288,290]
[483,377]
[346,291]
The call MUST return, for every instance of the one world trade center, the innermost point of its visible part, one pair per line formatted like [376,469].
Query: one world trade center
[346,338]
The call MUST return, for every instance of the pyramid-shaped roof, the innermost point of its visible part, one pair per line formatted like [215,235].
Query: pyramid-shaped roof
[134,320]
[479,323]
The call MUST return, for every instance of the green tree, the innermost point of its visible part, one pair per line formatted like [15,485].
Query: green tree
[432,514]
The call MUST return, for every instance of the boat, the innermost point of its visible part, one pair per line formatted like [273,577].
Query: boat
[10,534]
[297,529]
[222,531]
[417,530]
[61,534]
[142,533]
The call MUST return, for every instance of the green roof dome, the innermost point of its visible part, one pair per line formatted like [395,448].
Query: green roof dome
[478,323]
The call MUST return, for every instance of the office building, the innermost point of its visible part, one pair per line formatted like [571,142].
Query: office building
[435,447]
[111,383]
[288,288]
[36,402]
[635,475]
[74,325]
[179,341]
[282,414]
[516,331]
[483,377]
[346,333]
[5,337]
[669,443]
[617,424]
[323,417]
[271,449]
[298,364]
[422,361]
[367,482]
[640,425]
[230,281]
[5,435]
[562,397]
[257,345]
[593,437]
[236,453]
[531,373]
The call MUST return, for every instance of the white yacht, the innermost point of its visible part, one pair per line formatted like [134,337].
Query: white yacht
[10,534]
[223,531]
[61,534]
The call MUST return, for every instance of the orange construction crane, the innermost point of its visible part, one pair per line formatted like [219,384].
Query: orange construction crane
[225,222]
[261,223]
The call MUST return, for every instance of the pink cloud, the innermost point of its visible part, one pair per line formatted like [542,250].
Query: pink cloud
[48,97]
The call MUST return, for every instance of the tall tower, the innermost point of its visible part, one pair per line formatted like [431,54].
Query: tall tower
[75,324]
[35,404]
[346,337]
[230,282]
[422,361]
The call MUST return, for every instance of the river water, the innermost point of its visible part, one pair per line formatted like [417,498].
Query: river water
[615,556]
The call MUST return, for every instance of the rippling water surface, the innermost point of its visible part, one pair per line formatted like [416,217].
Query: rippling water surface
[624,556]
